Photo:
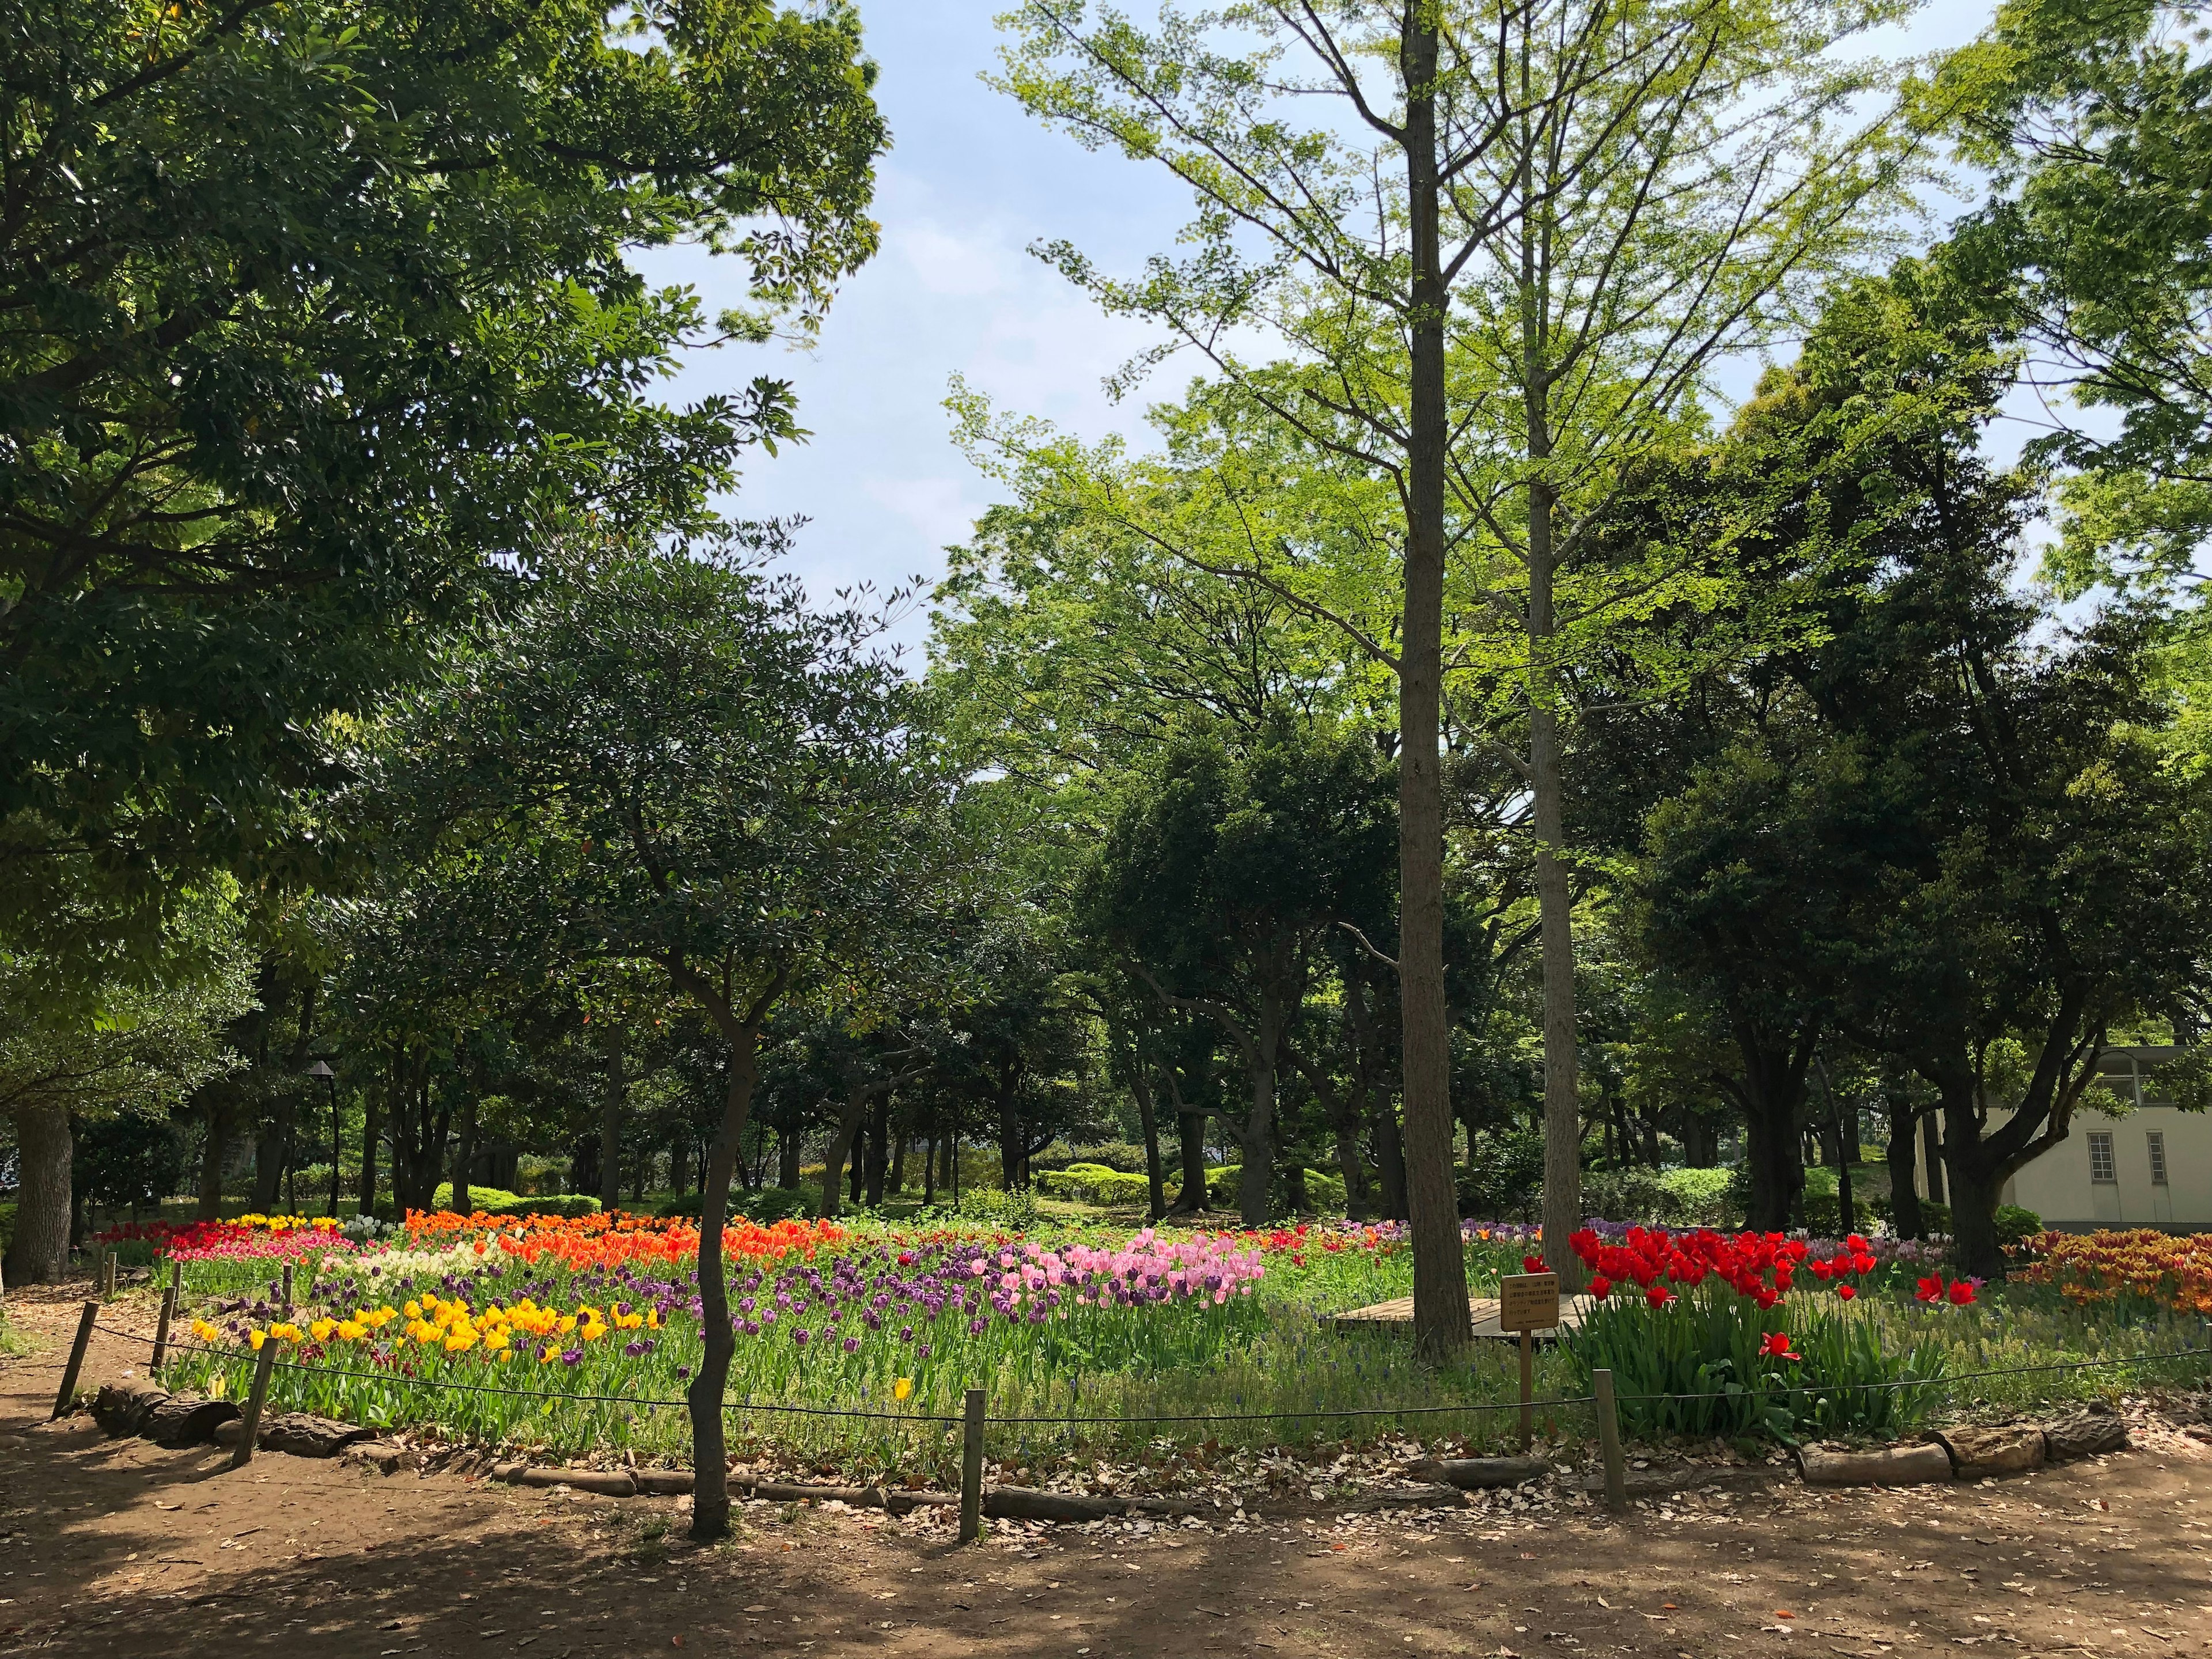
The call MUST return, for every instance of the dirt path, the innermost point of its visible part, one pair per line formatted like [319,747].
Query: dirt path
[121,1548]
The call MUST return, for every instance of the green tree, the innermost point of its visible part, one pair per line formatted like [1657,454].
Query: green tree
[1567,211]
[321,310]
[667,758]
[137,1040]
[1223,883]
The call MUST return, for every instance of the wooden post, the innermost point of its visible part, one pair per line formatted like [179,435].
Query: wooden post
[265,1363]
[67,1397]
[1608,1441]
[1527,1392]
[108,1275]
[168,1312]
[971,1468]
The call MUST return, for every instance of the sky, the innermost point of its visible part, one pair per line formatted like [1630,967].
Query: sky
[970,184]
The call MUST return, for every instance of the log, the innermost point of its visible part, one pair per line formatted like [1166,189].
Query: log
[1024,1503]
[2095,1428]
[663,1483]
[124,1408]
[1479,1473]
[608,1483]
[2010,1449]
[186,1420]
[1432,1497]
[301,1434]
[1896,1466]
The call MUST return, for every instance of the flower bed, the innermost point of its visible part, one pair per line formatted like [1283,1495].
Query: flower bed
[582,1333]
[2159,1268]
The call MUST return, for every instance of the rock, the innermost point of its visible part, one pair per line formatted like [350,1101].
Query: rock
[380,1455]
[124,1408]
[185,1419]
[1479,1474]
[1897,1466]
[2013,1449]
[2095,1428]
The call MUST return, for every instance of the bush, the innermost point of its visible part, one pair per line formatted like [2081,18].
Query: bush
[1502,1179]
[1095,1183]
[768,1205]
[7,1227]
[490,1200]
[1224,1189]
[1699,1198]
[558,1203]
[2016,1224]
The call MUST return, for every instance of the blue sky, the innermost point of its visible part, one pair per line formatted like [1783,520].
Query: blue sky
[971,182]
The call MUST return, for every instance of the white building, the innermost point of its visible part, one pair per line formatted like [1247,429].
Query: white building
[2152,1168]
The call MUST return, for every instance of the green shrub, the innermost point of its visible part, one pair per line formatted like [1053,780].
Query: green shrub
[768,1205]
[487,1198]
[560,1204]
[2016,1224]
[7,1227]
[1502,1179]
[1224,1184]
[1095,1183]
[1699,1198]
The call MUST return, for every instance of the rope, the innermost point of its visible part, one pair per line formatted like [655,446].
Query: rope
[1184,1417]
[1928,1382]
[1292,1417]
[531,1394]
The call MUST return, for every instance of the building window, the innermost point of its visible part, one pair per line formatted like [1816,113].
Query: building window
[2102,1168]
[2157,1140]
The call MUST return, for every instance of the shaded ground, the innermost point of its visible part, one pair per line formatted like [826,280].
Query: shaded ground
[119,1547]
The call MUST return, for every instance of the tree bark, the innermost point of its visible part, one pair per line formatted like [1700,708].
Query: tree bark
[1440,1309]
[37,1254]
[464,1152]
[849,1119]
[1771,1093]
[611,1113]
[1932,1147]
[896,1184]
[1904,1197]
[220,1106]
[710,1491]
[1140,1090]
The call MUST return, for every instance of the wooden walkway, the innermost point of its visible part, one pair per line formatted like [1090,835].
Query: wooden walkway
[1396,1317]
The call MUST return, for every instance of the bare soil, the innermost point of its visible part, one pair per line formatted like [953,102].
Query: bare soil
[119,1547]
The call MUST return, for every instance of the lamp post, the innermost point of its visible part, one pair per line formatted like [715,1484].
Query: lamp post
[321,1069]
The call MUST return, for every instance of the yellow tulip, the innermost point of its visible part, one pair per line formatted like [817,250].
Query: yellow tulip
[255,1338]
[903,1387]
[414,1310]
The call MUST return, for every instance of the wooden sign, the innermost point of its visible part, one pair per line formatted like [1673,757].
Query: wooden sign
[1528,1301]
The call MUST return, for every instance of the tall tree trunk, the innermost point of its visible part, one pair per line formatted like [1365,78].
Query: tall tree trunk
[1140,1091]
[1440,1309]
[849,1119]
[679,1176]
[1903,1196]
[896,1184]
[1191,1132]
[220,1106]
[1390,1160]
[1932,1149]
[789,1153]
[1013,1133]
[37,1254]
[710,1498]
[270,1135]
[611,1114]
[1773,1096]
[464,1152]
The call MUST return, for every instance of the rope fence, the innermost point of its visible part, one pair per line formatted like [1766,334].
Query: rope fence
[975,1419]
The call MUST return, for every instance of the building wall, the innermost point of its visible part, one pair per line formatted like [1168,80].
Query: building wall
[2058,1187]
